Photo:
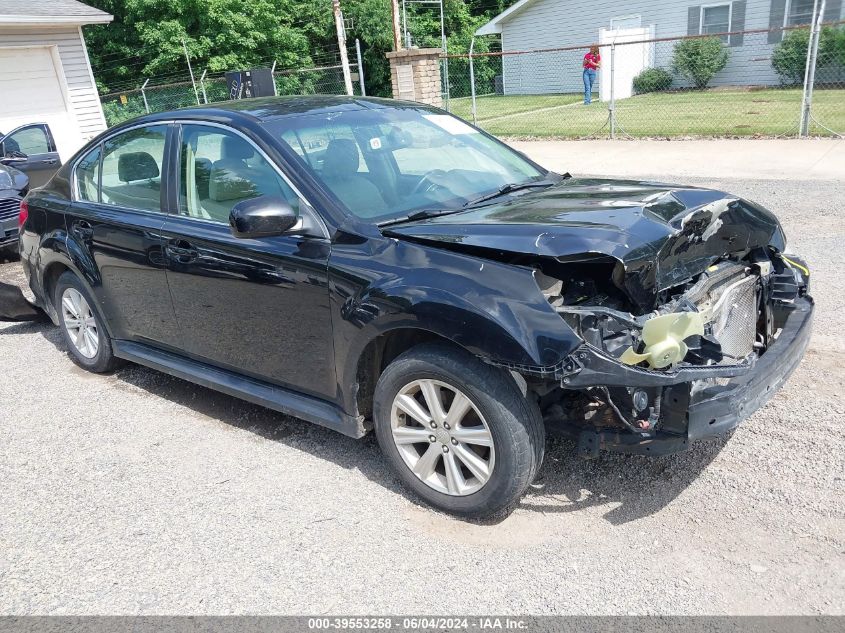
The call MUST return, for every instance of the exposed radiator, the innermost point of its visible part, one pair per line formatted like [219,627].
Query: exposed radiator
[734,320]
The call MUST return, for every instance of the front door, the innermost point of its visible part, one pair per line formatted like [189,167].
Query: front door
[31,149]
[256,306]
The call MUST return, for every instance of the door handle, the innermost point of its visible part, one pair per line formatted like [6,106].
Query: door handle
[82,230]
[50,161]
[181,251]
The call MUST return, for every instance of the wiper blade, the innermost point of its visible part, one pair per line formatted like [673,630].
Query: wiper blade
[508,188]
[422,214]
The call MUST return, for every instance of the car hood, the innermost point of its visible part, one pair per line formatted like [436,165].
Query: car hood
[661,234]
[12,179]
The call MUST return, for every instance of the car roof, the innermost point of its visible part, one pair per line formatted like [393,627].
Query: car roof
[268,108]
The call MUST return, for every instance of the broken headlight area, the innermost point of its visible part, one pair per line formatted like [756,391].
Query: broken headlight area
[637,374]
[725,316]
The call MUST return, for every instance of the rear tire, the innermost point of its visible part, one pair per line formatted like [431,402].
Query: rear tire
[86,337]
[480,464]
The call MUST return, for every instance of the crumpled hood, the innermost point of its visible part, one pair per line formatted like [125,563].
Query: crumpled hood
[662,234]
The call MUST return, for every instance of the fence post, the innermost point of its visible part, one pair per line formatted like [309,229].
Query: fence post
[144,96]
[190,71]
[273,77]
[612,91]
[341,45]
[472,81]
[360,67]
[446,56]
[202,86]
[810,70]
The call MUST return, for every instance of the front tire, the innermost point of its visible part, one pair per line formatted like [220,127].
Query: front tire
[88,341]
[457,431]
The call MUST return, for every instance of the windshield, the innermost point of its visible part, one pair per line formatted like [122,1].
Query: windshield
[387,163]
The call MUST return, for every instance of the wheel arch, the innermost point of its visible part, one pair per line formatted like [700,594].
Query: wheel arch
[380,351]
[52,271]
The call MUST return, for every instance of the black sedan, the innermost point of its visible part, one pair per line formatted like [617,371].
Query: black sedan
[368,264]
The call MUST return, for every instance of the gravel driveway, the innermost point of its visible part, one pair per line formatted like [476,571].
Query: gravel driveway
[140,493]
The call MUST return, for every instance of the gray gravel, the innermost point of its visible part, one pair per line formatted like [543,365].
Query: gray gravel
[140,493]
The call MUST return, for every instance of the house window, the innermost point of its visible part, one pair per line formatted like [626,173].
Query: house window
[716,18]
[626,22]
[799,12]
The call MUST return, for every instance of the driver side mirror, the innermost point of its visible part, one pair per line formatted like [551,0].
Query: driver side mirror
[264,216]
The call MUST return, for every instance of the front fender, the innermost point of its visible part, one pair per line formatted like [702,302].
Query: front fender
[492,309]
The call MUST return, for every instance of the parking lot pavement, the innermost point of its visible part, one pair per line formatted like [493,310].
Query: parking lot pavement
[790,159]
[141,493]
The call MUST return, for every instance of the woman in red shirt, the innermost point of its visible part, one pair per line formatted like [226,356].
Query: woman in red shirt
[592,62]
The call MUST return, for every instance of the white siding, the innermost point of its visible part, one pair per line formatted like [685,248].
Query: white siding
[561,23]
[84,100]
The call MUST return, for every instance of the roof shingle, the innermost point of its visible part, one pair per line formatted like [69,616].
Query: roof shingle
[49,9]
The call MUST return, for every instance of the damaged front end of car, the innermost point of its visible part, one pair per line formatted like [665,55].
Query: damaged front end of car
[688,313]
[690,369]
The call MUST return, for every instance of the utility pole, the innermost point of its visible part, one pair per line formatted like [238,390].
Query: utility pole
[810,70]
[397,33]
[360,67]
[341,43]
[405,25]
[190,71]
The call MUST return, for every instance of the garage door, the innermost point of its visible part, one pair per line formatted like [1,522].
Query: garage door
[31,92]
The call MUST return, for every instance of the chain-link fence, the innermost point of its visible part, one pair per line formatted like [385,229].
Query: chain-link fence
[169,94]
[745,83]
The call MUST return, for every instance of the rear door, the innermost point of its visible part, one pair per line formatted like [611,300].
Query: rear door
[115,223]
[32,150]
[256,306]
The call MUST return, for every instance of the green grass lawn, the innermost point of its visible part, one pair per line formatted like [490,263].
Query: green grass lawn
[695,113]
[492,106]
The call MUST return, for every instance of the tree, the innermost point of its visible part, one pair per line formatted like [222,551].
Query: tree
[146,37]
[699,59]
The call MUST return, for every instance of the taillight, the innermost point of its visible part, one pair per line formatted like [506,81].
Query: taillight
[23,214]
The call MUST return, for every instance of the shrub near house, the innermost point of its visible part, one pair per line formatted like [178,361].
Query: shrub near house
[652,80]
[699,59]
[789,59]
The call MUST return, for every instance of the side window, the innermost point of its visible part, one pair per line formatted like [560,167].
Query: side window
[88,176]
[219,169]
[29,140]
[131,174]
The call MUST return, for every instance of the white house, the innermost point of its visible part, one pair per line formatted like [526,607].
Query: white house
[45,73]
[543,24]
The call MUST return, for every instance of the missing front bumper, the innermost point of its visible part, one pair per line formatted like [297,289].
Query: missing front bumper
[691,413]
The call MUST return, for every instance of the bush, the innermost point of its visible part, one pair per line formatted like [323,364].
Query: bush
[699,59]
[789,59]
[652,80]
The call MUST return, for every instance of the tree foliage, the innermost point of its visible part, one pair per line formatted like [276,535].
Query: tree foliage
[145,38]
[699,59]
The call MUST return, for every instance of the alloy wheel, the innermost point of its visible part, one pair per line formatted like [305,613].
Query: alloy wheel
[80,323]
[442,437]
